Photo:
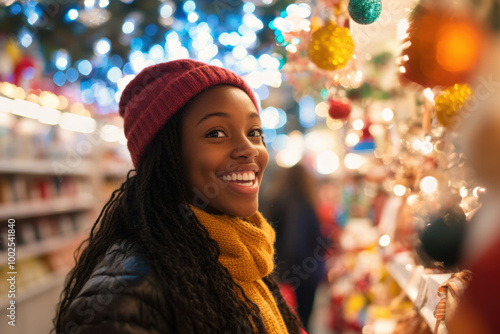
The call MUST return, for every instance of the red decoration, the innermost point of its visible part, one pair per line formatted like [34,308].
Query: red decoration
[26,63]
[340,108]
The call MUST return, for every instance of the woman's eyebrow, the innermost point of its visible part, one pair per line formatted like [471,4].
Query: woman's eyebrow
[225,115]
[215,114]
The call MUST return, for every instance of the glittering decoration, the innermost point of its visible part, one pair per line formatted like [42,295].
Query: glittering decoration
[444,47]
[340,108]
[365,11]
[450,102]
[331,47]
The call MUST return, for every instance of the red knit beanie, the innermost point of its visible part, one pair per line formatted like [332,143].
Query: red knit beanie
[159,91]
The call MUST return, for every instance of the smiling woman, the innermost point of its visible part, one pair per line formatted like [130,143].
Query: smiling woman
[223,126]
[181,246]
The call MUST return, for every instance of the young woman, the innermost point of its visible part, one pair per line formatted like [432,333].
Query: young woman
[181,247]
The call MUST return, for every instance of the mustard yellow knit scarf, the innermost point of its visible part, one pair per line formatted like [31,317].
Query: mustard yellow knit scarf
[247,252]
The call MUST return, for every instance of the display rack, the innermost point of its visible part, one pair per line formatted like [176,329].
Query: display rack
[420,287]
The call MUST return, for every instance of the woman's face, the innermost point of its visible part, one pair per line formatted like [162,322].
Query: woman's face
[223,151]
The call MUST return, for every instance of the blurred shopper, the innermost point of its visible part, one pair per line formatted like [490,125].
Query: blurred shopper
[299,243]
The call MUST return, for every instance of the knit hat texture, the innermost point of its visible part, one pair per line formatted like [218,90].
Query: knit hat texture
[159,91]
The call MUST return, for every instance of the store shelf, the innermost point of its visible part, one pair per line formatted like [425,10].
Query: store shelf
[116,169]
[421,288]
[42,247]
[47,283]
[45,167]
[48,207]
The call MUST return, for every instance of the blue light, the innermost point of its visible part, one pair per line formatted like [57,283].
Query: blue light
[59,78]
[85,67]
[136,44]
[26,39]
[71,74]
[249,7]
[166,10]
[193,17]
[128,27]
[28,73]
[127,69]
[116,60]
[102,46]
[269,135]
[61,59]
[114,74]
[72,14]
[151,29]
[15,8]
[189,6]
[103,3]
[307,115]
[156,52]
[88,96]
[32,18]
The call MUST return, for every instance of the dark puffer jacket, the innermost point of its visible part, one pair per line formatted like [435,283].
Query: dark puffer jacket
[121,296]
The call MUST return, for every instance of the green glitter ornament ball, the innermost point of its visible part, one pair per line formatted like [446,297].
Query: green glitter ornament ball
[365,11]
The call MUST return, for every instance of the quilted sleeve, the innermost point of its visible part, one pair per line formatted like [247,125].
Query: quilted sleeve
[120,297]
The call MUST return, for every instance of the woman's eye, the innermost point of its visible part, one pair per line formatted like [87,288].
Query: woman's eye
[216,134]
[256,133]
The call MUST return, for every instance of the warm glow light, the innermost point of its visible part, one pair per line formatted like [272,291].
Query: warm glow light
[429,184]
[384,240]
[322,109]
[358,124]
[458,46]
[111,133]
[351,139]
[288,157]
[426,147]
[387,115]
[412,200]
[403,26]
[26,109]
[49,116]
[429,94]
[77,123]
[477,190]
[353,161]
[334,124]
[464,192]
[399,190]
[327,162]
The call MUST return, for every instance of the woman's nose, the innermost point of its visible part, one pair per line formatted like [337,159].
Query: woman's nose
[244,148]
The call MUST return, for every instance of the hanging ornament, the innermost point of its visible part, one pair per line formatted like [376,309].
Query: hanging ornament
[444,47]
[450,102]
[442,237]
[365,11]
[339,109]
[331,47]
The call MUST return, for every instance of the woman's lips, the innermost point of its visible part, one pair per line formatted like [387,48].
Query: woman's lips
[242,182]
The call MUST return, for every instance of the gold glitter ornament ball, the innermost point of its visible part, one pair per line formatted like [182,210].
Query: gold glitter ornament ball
[331,47]
[450,102]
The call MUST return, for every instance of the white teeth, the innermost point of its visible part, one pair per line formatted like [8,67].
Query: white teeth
[245,184]
[247,176]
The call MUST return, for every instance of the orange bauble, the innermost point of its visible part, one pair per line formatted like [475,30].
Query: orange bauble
[444,47]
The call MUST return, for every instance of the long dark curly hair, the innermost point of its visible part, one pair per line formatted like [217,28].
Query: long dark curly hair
[147,209]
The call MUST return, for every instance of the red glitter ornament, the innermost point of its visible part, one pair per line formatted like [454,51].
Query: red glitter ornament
[340,108]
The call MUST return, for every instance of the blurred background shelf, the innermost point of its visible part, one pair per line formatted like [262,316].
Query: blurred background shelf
[47,207]
[45,167]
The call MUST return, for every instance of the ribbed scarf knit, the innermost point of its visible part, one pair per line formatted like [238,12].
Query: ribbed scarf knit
[247,252]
